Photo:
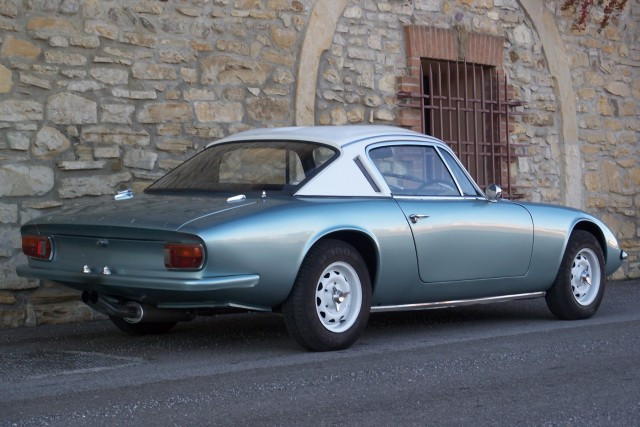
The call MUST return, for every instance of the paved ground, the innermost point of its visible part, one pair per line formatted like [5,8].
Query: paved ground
[502,364]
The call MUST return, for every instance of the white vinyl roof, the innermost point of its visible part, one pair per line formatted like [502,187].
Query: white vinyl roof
[342,177]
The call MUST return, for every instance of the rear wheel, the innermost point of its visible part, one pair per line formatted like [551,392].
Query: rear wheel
[579,286]
[142,328]
[329,304]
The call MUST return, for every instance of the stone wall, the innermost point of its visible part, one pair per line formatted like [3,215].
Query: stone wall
[96,96]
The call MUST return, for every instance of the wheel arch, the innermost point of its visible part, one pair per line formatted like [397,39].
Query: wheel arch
[364,243]
[595,231]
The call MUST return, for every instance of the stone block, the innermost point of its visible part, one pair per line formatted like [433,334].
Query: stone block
[31,80]
[60,313]
[102,29]
[220,111]
[12,317]
[189,75]
[95,185]
[67,108]
[87,42]
[74,165]
[117,113]
[233,46]
[106,152]
[171,145]
[14,47]
[617,88]
[18,140]
[116,135]
[84,85]
[49,143]
[209,131]
[66,58]
[149,6]
[8,8]
[139,39]
[134,94]
[51,25]
[8,213]
[6,79]
[228,70]
[153,72]
[283,76]
[199,95]
[141,159]
[20,180]
[269,109]
[110,76]
[172,56]
[165,112]
[283,38]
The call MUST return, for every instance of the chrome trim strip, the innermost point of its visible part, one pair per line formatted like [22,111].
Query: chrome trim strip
[623,255]
[454,303]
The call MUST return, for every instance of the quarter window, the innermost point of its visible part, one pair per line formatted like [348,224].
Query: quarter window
[414,170]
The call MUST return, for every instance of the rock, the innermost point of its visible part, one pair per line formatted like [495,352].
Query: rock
[12,317]
[228,70]
[149,6]
[50,293]
[8,8]
[31,80]
[95,185]
[233,46]
[522,35]
[189,75]
[74,165]
[88,42]
[140,159]
[18,111]
[49,143]
[387,83]
[617,88]
[58,41]
[165,112]
[63,57]
[268,109]
[69,7]
[12,46]
[134,94]
[283,76]
[68,312]
[110,76]
[119,135]
[53,26]
[199,95]
[284,39]
[101,29]
[176,57]
[84,85]
[428,5]
[153,72]
[66,108]
[221,112]
[106,152]
[6,79]
[139,39]
[18,141]
[117,113]
[356,115]
[7,298]
[384,115]
[8,213]
[172,145]
[20,180]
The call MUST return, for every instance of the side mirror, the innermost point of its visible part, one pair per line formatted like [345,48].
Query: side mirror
[493,193]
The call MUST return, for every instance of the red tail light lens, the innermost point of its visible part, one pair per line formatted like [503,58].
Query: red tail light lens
[185,256]
[37,246]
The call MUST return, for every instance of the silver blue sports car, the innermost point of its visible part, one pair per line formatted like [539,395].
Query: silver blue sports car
[322,224]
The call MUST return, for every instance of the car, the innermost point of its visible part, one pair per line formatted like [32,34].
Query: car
[324,225]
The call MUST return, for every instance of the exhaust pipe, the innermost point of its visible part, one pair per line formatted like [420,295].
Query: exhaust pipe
[134,312]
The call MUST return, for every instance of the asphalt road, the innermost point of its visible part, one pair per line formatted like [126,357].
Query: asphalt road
[502,364]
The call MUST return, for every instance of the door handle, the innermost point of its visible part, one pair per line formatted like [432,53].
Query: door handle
[415,217]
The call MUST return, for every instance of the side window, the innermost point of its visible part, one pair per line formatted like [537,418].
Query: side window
[414,170]
[467,187]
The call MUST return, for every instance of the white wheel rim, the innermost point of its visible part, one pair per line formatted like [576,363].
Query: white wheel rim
[338,297]
[585,277]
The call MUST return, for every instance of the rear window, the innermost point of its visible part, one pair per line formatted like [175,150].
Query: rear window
[248,166]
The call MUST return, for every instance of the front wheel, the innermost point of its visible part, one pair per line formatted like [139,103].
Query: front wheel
[579,286]
[329,304]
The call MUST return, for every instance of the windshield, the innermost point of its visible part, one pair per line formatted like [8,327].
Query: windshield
[248,166]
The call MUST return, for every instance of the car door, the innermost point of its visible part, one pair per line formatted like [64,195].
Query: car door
[458,233]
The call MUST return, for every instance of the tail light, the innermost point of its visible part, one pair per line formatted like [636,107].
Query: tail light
[37,246]
[183,256]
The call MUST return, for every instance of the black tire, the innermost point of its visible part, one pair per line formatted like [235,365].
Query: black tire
[303,308]
[142,328]
[564,298]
